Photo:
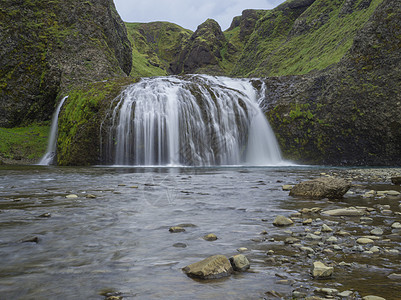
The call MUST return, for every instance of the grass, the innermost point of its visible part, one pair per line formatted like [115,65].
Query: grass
[24,142]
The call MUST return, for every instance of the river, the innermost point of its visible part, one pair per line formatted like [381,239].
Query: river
[118,239]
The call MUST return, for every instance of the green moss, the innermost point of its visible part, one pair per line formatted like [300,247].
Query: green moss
[27,143]
[81,118]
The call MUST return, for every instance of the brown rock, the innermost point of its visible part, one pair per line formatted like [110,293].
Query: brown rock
[213,267]
[325,187]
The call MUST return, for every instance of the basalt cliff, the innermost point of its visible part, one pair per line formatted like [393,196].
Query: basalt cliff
[331,70]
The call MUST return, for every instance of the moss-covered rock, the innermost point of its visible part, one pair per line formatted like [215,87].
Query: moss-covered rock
[80,132]
[47,46]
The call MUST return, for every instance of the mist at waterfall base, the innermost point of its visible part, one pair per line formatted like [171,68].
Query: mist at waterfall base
[196,120]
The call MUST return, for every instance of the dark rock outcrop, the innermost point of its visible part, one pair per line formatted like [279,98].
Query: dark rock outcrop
[202,51]
[47,46]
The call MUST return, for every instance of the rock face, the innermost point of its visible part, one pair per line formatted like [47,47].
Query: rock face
[46,46]
[325,187]
[213,267]
[201,51]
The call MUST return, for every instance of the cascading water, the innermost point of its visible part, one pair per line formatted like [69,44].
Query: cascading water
[197,120]
[48,158]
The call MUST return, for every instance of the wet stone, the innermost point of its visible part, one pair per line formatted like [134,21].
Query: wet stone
[371,297]
[240,263]
[326,228]
[281,221]
[71,196]
[396,225]
[210,237]
[377,231]
[320,270]
[180,245]
[364,241]
[213,267]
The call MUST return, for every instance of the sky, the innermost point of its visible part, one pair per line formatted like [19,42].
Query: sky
[188,13]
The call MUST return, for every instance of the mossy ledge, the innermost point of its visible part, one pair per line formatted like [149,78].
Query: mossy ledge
[79,135]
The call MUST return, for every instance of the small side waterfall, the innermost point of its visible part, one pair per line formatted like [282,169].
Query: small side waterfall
[48,158]
[197,120]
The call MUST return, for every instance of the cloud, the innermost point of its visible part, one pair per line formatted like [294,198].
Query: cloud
[188,13]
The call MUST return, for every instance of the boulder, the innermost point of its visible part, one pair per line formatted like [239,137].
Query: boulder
[320,270]
[213,267]
[240,263]
[324,187]
[176,229]
[282,221]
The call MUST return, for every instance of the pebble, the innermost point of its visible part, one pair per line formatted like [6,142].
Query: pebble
[307,249]
[371,297]
[307,221]
[180,245]
[326,228]
[364,241]
[242,249]
[327,291]
[90,196]
[71,196]
[287,187]
[396,225]
[45,215]
[375,249]
[395,276]
[332,240]
[291,240]
[311,236]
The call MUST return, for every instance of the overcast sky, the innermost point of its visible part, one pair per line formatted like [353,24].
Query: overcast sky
[188,13]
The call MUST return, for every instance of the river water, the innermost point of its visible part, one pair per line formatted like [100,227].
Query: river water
[119,242]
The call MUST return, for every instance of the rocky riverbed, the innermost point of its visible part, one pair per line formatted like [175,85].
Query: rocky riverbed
[355,240]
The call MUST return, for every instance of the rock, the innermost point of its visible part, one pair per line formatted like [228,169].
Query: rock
[396,180]
[345,294]
[307,249]
[326,228]
[375,249]
[327,291]
[180,245]
[350,212]
[364,241]
[370,297]
[332,240]
[31,240]
[396,225]
[342,233]
[210,237]
[395,276]
[71,196]
[282,221]
[90,196]
[287,187]
[242,249]
[307,221]
[324,187]
[45,215]
[291,240]
[377,231]
[240,263]
[213,267]
[176,229]
[311,236]
[320,270]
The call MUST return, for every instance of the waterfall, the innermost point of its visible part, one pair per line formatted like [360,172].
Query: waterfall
[48,158]
[197,120]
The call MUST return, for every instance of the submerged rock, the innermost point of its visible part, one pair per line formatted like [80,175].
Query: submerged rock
[320,270]
[240,263]
[325,187]
[282,221]
[176,229]
[371,297]
[213,267]
[71,196]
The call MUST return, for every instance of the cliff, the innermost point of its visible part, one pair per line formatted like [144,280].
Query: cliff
[46,47]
